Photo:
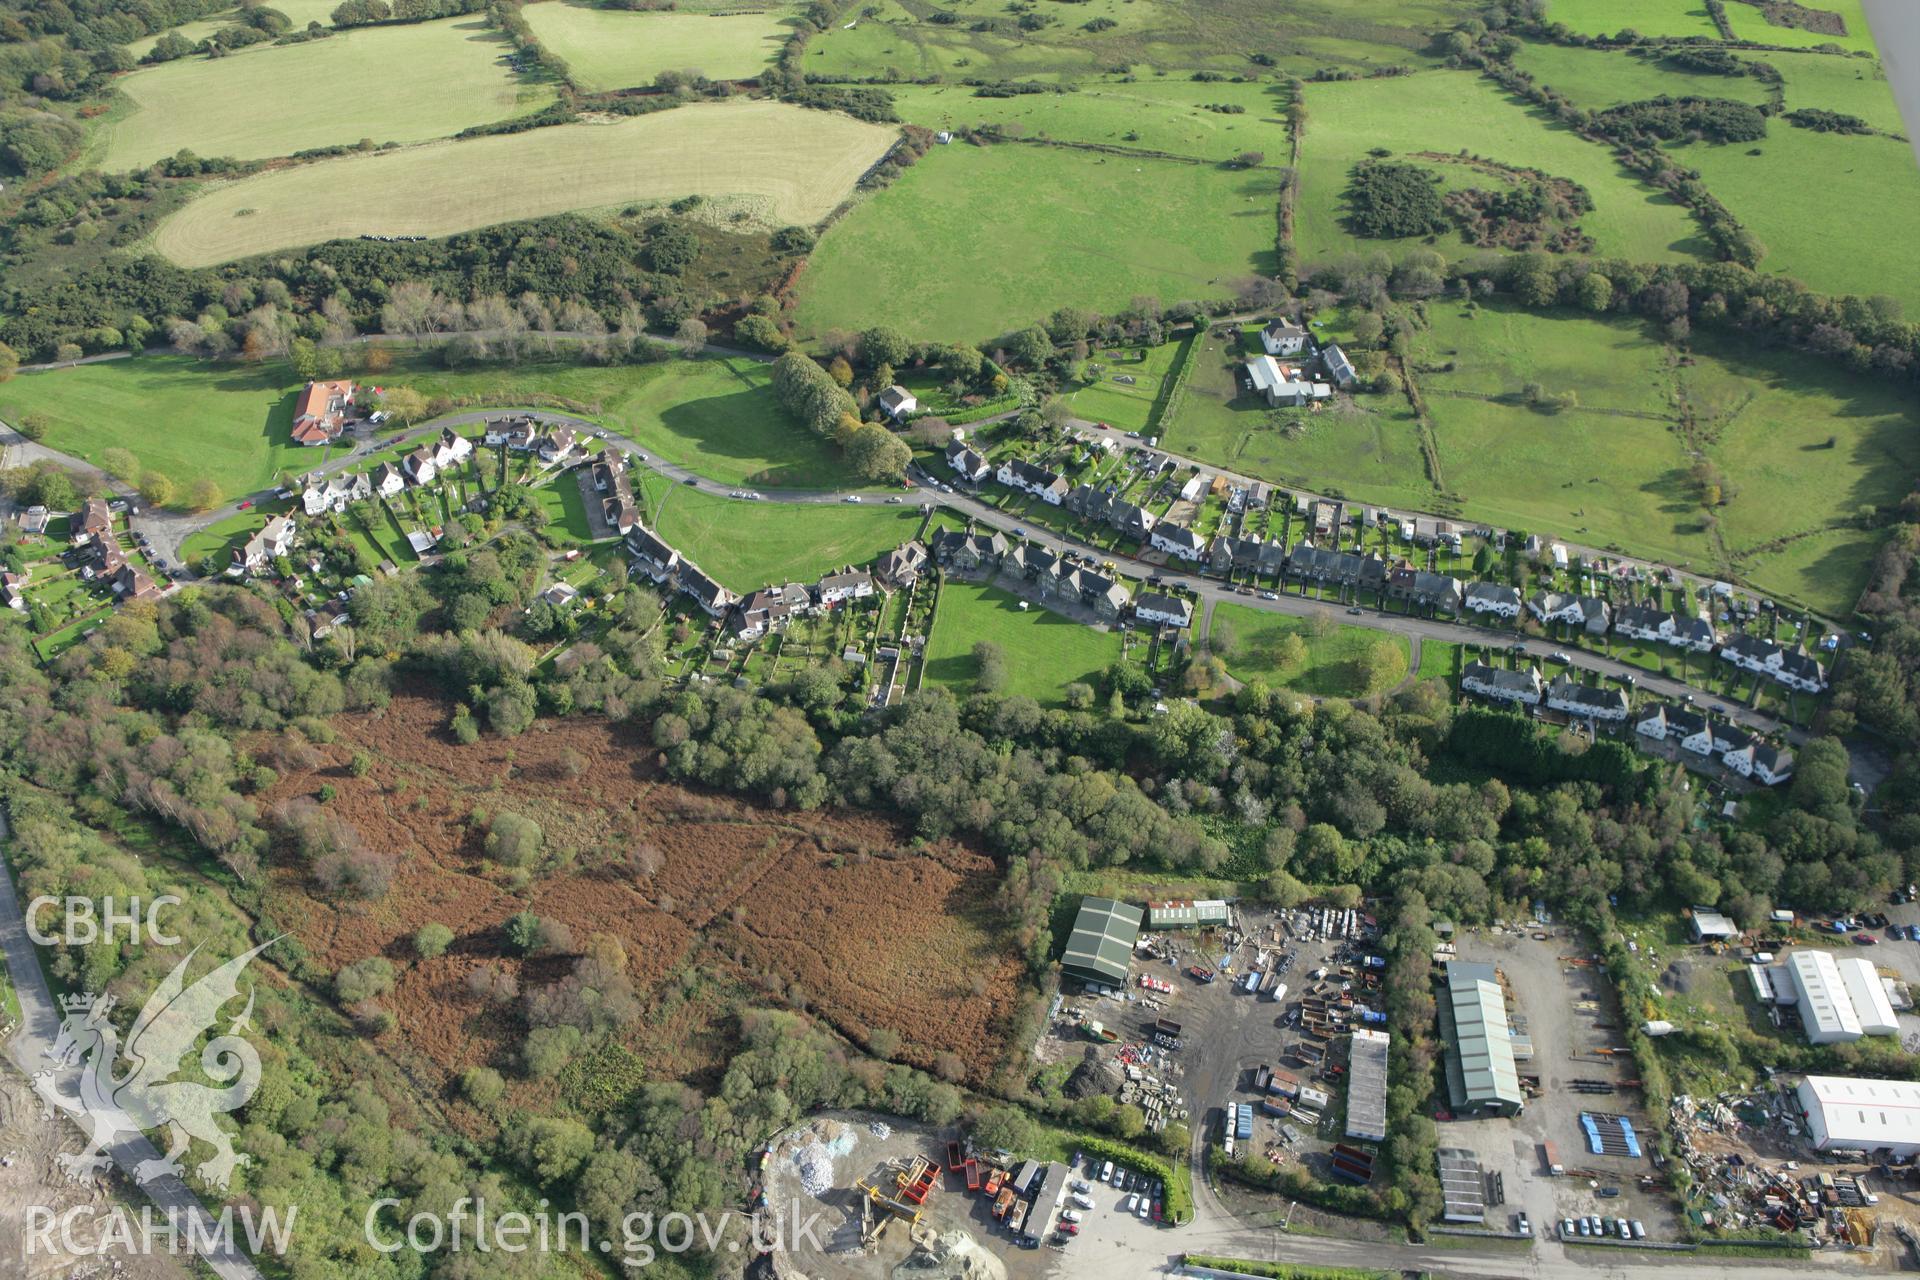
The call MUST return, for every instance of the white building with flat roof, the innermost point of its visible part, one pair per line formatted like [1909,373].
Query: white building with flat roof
[1871,1006]
[1847,1114]
[1826,1011]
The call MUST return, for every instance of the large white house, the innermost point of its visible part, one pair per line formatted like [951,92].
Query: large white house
[1177,540]
[1017,473]
[1589,702]
[1283,338]
[1502,685]
[1168,611]
[1658,626]
[1493,599]
[1791,667]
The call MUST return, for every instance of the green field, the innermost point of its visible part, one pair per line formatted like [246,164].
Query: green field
[1749,23]
[1602,78]
[972,242]
[1152,115]
[176,416]
[332,92]
[1648,17]
[747,545]
[616,49]
[1856,86]
[1332,665]
[1350,119]
[1150,37]
[782,164]
[715,416]
[1044,651]
[1837,213]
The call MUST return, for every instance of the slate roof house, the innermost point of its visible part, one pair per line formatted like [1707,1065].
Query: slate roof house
[1425,590]
[334,493]
[1492,598]
[1587,701]
[1503,685]
[897,402]
[1309,563]
[848,584]
[1334,363]
[419,466]
[1163,610]
[966,463]
[959,550]
[712,598]
[1588,612]
[273,539]
[388,480]
[651,555]
[1177,540]
[1018,473]
[93,520]
[902,566]
[1661,627]
[1283,338]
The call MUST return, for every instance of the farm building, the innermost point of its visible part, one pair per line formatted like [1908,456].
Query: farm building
[1871,1006]
[1847,1114]
[1182,913]
[1367,1086]
[1711,926]
[1463,1186]
[1481,1076]
[1102,943]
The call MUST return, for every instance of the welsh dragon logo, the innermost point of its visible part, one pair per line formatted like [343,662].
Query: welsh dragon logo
[146,1096]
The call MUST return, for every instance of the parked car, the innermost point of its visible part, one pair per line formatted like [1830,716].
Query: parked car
[1078,1185]
[1559,659]
[1068,1229]
[1567,1229]
[1586,1228]
[1356,610]
[1865,940]
[246,505]
[1521,1224]
[1082,1201]
[1069,1215]
[1132,1203]
[1639,1229]
[852,497]
[1141,1212]
[1607,1193]
[1269,595]
[1156,1211]
[1106,1172]
[1621,1229]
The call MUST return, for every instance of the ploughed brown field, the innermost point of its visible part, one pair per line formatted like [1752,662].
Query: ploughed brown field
[735,904]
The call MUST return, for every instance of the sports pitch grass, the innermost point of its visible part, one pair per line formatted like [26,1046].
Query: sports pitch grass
[1158,115]
[1844,222]
[793,164]
[616,49]
[404,83]
[1648,17]
[1332,665]
[177,416]
[717,417]
[1346,120]
[973,241]
[1044,651]
[747,545]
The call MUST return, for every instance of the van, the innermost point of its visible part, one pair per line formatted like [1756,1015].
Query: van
[1106,1172]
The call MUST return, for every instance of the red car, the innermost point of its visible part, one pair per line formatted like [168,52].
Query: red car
[246,504]
[1068,1229]
[1865,940]
[1156,1211]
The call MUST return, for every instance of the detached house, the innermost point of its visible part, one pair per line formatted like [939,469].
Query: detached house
[1492,599]
[273,540]
[762,611]
[557,444]
[897,402]
[419,465]
[334,493]
[1177,540]
[1768,763]
[451,448]
[517,434]
[320,412]
[1588,612]
[966,463]
[902,566]
[1163,610]
[1502,685]
[1017,473]
[1587,701]
[1339,369]
[94,521]
[1283,338]
[13,590]
[133,583]
[838,588]
[388,480]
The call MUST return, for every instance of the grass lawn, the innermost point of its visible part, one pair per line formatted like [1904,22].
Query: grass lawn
[402,83]
[972,242]
[1332,665]
[1044,651]
[220,536]
[1443,113]
[1127,405]
[566,510]
[1151,115]
[1856,86]
[1835,212]
[616,49]
[784,164]
[177,416]
[747,545]
[1648,17]
[1439,661]
[715,416]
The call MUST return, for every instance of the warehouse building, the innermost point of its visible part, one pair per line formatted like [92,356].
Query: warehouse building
[1826,1010]
[1102,943]
[1482,1078]
[1872,1007]
[1367,1086]
[1710,926]
[1845,1114]
[1181,913]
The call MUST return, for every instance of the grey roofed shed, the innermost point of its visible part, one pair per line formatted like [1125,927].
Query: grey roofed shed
[1102,943]
[1481,1075]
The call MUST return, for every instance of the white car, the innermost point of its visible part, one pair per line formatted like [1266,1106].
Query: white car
[852,497]
[1069,1215]
[1080,1201]
[1140,1210]
[1133,1202]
